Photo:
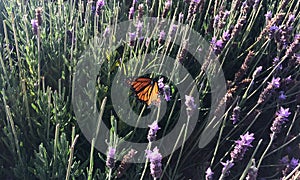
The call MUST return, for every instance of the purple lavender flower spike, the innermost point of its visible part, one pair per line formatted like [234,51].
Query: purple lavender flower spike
[152,131]
[167,93]
[282,96]
[162,36]
[235,115]
[290,166]
[132,37]
[190,105]
[227,166]
[35,26]
[241,147]
[155,162]
[110,161]
[99,5]
[131,13]
[281,117]
[268,16]
[257,72]
[209,174]
[160,83]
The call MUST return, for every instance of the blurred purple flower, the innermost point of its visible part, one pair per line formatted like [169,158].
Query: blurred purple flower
[282,96]
[227,166]
[152,131]
[281,118]
[180,18]
[290,166]
[268,16]
[235,115]
[35,26]
[99,5]
[273,29]
[190,105]
[285,160]
[162,36]
[257,72]
[216,21]
[110,160]
[167,93]
[252,173]
[140,11]
[294,47]
[256,2]
[155,162]
[161,83]
[132,37]
[131,12]
[268,91]
[167,7]
[106,32]
[226,36]
[209,174]
[241,147]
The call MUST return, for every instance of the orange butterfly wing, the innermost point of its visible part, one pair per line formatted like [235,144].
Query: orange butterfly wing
[146,90]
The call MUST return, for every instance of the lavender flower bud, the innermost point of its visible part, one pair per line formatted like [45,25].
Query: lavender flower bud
[268,16]
[160,83]
[294,47]
[235,115]
[192,8]
[155,162]
[281,118]
[162,36]
[190,105]
[167,93]
[131,13]
[242,71]
[216,21]
[139,27]
[140,11]
[110,160]
[209,174]
[99,5]
[227,166]
[152,131]
[241,147]
[167,7]
[274,84]
[125,163]
[132,38]
[282,96]
[252,173]
[257,72]
[180,18]
[256,3]
[38,15]
[183,52]
[106,32]
[35,26]
[290,166]
[238,27]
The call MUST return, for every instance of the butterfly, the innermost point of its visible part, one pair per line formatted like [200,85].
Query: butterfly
[146,90]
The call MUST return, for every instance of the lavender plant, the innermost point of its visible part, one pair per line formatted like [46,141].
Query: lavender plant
[42,44]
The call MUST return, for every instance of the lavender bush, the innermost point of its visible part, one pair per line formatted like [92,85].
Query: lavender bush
[257,43]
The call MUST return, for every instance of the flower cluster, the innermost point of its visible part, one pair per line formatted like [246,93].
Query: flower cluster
[155,162]
[99,5]
[125,163]
[274,84]
[152,131]
[281,117]
[235,115]
[290,166]
[110,160]
[190,105]
[241,146]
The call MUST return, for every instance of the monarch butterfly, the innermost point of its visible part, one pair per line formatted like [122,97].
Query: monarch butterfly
[146,90]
